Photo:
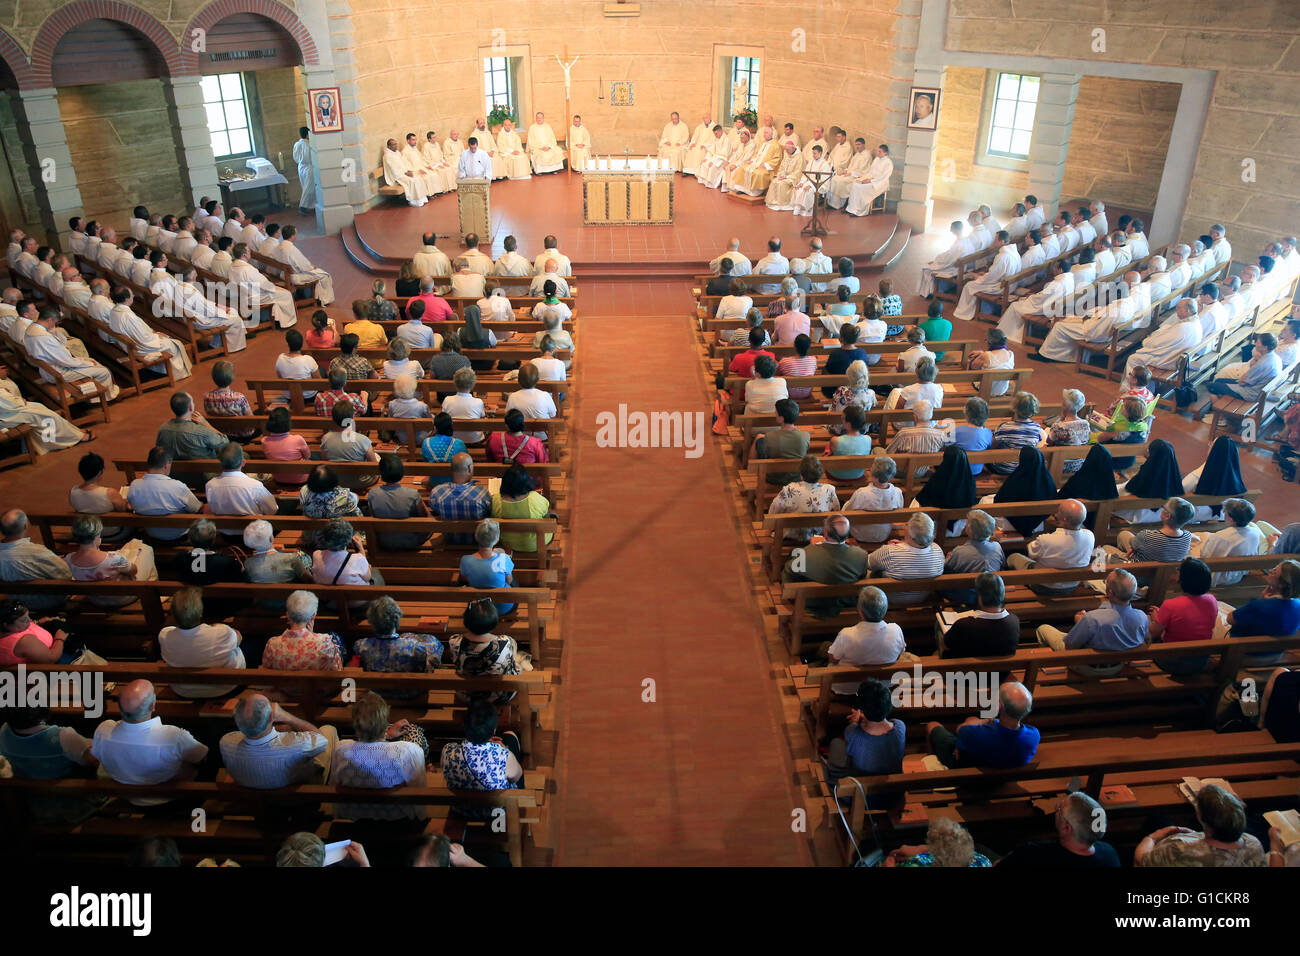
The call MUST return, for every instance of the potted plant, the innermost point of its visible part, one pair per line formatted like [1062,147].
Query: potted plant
[750,116]
[500,113]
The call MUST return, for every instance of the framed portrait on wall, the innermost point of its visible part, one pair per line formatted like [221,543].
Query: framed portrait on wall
[326,110]
[923,108]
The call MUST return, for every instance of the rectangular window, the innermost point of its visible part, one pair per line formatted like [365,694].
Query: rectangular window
[746,69]
[226,100]
[498,90]
[1009,121]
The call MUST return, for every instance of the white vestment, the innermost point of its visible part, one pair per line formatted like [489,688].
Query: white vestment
[740,158]
[803,190]
[1164,346]
[50,430]
[183,300]
[714,165]
[543,150]
[514,265]
[431,154]
[874,182]
[842,183]
[1044,302]
[780,194]
[698,150]
[396,173]
[1005,264]
[44,347]
[944,264]
[306,175]
[132,334]
[512,152]
[579,147]
[258,289]
[302,271]
[1061,344]
[807,149]
[672,144]
[417,164]
[840,156]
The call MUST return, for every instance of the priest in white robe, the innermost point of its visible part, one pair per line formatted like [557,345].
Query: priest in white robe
[804,197]
[698,150]
[756,175]
[1031,257]
[788,135]
[673,141]
[1006,263]
[512,151]
[133,334]
[300,267]
[543,150]
[183,298]
[737,127]
[1163,347]
[579,144]
[848,177]
[740,157]
[838,155]
[1063,340]
[874,182]
[943,265]
[50,430]
[1019,227]
[780,194]
[1049,301]
[453,146]
[474,163]
[1035,215]
[416,162]
[819,139]
[398,173]
[1221,248]
[42,344]
[306,172]
[714,166]
[488,143]
[256,289]
[431,153]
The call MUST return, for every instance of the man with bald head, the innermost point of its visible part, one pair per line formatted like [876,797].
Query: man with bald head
[1001,741]
[261,756]
[460,499]
[140,750]
[233,227]
[832,560]
[46,342]
[1069,546]
[1080,825]
[22,559]
[740,266]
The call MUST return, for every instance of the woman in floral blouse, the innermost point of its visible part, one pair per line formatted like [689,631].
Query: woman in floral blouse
[387,650]
[482,761]
[480,653]
[324,497]
[854,393]
[1070,429]
[808,495]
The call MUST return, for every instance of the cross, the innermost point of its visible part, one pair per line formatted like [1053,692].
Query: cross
[566,65]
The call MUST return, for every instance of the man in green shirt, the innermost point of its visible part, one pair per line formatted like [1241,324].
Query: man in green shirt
[936,327]
[187,436]
[783,442]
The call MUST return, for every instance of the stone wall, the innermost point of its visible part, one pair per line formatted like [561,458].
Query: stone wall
[1255,111]
[1117,148]
[416,71]
[281,98]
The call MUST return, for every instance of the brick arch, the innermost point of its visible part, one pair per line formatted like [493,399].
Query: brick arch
[14,58]
[65,18]
[215,12]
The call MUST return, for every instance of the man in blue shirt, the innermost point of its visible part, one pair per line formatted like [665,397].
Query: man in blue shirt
[1114,626]
[1004,741]
[1275,613]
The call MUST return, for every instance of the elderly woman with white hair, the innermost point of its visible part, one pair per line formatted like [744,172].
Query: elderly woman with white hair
[854,392]
[300,647]
[489,566]
[553,327]
[399,361]
[193,644]
[134,561]
[914,557]
[404,404]
[947,843]
[1069,428]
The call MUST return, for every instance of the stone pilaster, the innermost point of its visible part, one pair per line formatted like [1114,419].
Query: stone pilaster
[189,122]
[1050,147]
[45,148]
[916,203]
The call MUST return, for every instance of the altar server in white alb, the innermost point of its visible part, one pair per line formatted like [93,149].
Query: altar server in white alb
[397,173]
[698,149]
[1006,263]
[579,144]
[846,177]
[416,162]
[804,195]
[306,172]
[301,268]
[673,142]
[780,194]
[431,153]
[512,151]
[543,150]
[131,333]
[474,162]
[256,289]
[874,182]
[838,155]
[488,143]
[714,166]
[944,264]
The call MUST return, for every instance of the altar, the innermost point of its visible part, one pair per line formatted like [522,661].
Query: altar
[627,191]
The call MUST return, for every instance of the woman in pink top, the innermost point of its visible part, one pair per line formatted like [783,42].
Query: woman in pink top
[323,334]
[513,445]
[24,641]
[280,444]
[793,321]
[798,365]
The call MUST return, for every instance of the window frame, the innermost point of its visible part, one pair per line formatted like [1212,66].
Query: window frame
[754,69]
[247,98]
[984,155]
[511,86]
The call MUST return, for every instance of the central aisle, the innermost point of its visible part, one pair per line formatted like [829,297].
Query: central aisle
[700,776]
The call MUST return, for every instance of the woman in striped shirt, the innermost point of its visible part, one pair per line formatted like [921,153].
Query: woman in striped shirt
[798,365]
[1021,431]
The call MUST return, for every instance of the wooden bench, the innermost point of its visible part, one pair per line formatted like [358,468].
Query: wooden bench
[426,388]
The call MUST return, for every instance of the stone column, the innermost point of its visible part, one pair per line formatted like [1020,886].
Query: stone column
[916,205]
[906,33]
[189,121]
[1050,147]
[45,149]
[343,183]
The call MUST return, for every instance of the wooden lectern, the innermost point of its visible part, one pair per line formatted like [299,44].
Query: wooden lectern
[475,216]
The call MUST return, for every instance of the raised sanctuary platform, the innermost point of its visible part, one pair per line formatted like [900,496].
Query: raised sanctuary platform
[383,238]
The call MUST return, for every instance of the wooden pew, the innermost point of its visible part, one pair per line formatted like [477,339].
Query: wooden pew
[426,388]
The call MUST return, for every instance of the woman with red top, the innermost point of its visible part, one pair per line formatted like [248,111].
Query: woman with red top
[513,446]
[323,334]
[1192,616]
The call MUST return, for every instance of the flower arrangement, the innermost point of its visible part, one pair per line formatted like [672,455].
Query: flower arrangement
[500,113]
[750,116]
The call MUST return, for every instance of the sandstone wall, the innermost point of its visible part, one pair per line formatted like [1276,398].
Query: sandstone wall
[1254,113]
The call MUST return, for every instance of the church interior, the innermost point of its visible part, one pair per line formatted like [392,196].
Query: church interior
[328,465]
